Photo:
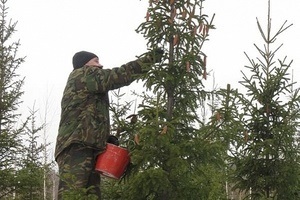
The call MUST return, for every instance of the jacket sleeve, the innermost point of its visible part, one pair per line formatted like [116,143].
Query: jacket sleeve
[102,80]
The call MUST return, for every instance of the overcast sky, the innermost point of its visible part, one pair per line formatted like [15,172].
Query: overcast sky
[51,31]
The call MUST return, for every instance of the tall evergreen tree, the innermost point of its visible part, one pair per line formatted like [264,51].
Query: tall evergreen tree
[10,93]
[262,124]
[171,158]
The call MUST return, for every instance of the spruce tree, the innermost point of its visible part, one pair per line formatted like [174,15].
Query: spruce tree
[171,158]
[31,173]
[262,125]
[10,93]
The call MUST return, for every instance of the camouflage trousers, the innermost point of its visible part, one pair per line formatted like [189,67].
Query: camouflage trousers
[78,178]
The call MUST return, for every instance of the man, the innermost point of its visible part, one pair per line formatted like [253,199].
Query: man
[84,125]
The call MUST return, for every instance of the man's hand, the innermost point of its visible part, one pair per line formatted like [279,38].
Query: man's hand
[155,56]
[113,140]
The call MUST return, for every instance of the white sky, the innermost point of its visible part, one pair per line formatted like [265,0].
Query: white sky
[51,31]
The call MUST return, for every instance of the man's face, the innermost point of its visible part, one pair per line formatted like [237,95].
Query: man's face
[94,62]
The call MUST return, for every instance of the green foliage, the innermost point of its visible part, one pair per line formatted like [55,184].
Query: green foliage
[177,27]
[10,93]
[123,122]
[171,157]
[264,123]
[21,170]
[32,171]
[30,182]
[174,154]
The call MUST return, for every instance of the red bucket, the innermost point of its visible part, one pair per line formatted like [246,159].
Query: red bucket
[113,161]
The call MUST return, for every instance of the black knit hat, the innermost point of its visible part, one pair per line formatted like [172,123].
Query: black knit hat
[81,58]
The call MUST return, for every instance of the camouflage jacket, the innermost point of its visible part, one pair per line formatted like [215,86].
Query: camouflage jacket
[85,104]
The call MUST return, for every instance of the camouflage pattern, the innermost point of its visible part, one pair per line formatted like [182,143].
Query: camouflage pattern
[85,104]
[78,178]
